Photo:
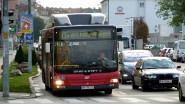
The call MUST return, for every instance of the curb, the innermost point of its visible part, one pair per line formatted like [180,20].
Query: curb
[32,83]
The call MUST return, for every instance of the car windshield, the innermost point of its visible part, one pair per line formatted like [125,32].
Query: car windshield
[135,56]
[158,64]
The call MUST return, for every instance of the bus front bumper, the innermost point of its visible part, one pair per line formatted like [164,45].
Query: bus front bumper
[99,87]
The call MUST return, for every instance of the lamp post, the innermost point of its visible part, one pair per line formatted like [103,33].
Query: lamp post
[6,49]
[29,46]
[156,29]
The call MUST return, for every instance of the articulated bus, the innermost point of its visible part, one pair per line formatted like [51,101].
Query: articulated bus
[71,45]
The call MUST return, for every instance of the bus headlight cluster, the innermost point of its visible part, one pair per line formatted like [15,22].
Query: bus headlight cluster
[114,80]
[59,82]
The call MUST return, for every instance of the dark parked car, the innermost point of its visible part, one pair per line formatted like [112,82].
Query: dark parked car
[127,61]
[155,72]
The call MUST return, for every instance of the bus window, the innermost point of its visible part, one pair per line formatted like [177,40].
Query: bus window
[126,42]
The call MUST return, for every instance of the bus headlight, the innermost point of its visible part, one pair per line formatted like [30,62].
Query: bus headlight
[114,80]
[59,82]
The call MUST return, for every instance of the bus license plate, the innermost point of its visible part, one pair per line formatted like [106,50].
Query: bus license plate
[165,81]
[87,87]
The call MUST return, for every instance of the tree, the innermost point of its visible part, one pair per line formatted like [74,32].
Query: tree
[141,31]
[38,25]
[19,57]
[172,10]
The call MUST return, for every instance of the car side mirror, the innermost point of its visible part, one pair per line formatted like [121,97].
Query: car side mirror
[138,68]
[178,67]
[120,62]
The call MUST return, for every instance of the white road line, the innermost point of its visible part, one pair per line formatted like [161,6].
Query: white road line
[132,100]
[102,100]
[73,101]
[15,102]
[176,98]
[45,101]
[119,93]
[163,99]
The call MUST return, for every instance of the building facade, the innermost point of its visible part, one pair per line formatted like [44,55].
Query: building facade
[123,12]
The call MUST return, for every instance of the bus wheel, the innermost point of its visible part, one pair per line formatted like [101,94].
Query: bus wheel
[47,88]
[108,91]
[55,93]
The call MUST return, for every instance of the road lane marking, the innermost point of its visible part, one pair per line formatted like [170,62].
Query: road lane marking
[102,100]
[15,102]
[132,100]
[44,101]
[162,99]
[73,100]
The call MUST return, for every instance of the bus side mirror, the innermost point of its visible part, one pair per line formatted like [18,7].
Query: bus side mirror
[47,47]
[119,29]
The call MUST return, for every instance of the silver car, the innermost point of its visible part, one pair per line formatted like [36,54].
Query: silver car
[181,86]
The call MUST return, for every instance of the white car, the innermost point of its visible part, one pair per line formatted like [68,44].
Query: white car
[182,87]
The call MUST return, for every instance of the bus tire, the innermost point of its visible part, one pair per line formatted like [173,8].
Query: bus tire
[43,76]
[109,91]
[47,88]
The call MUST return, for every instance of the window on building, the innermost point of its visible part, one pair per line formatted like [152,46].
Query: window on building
[142,4]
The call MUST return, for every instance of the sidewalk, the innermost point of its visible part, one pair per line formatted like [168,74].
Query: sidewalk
[11,58]
[13,95]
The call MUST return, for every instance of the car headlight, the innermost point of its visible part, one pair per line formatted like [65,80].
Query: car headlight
[150,76]
[125,75]
[175,76]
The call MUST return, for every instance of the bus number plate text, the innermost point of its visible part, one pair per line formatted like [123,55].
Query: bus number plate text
[87,87]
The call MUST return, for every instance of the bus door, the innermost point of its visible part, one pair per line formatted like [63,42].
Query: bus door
[49,60]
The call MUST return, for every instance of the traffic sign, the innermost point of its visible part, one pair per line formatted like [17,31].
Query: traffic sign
[26,23]
[29,38]
[12,29]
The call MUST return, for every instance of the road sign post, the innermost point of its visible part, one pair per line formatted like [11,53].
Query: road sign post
[27,28]
[29,41]
[6,49]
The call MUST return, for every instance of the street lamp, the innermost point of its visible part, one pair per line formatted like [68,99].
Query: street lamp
[156,30]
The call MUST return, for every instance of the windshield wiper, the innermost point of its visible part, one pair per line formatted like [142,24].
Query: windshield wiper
[151,68]
[165,67]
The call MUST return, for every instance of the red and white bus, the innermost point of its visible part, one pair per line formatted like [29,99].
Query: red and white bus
[71,45]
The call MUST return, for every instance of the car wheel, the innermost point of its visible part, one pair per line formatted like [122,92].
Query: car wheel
[108,91]
[123,81]
[144,87]
[182,60]
[134,86]
[181,98]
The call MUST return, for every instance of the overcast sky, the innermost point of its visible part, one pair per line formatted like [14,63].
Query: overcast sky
[70,3]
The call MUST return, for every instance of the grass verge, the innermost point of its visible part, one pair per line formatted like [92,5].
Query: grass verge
[19,84]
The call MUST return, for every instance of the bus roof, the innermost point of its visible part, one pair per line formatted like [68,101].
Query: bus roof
[76,19]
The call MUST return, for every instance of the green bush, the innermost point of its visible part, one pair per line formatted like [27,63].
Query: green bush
[25,50]
[19,57]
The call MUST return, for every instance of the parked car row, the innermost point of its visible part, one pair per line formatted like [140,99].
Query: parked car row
[148,72]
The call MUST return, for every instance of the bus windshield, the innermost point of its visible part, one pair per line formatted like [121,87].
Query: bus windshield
[82,48]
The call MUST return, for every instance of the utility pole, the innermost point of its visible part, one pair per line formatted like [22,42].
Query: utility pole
[29,46]
[6,49]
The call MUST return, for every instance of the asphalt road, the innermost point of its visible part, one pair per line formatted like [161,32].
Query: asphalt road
[124,95]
